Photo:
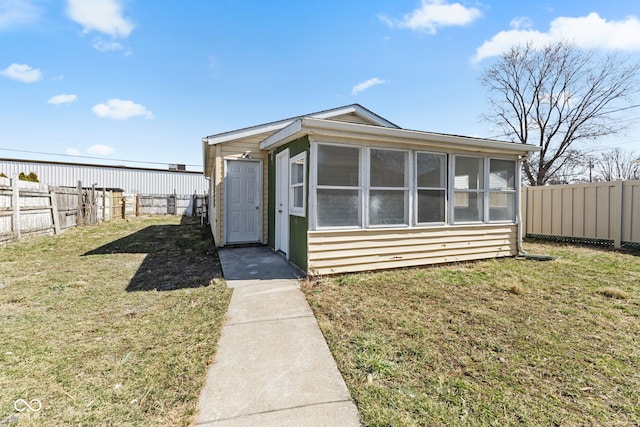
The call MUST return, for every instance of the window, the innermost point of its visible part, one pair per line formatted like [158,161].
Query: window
[339,191]
[431,187]
[297,177]
[468,189]
[389,187]
[502,190]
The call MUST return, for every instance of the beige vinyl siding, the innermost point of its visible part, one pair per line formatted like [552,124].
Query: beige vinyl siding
[335,251]
[231,151]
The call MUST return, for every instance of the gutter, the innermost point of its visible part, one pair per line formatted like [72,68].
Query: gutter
[309,125]
[521,252]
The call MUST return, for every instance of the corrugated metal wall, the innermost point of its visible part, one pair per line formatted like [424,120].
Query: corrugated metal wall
[131,180]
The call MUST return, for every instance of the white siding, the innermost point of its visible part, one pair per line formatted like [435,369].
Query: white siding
[131,180]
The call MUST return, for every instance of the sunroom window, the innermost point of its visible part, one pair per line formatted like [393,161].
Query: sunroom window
[389,187]
[468,189]
[431,187]
[502,190]
[339,191]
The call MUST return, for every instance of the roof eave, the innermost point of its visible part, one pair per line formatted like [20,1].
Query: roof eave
[307,125]
[277,125]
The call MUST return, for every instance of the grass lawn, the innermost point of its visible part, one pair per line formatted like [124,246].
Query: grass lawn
[499,342]
[111,324]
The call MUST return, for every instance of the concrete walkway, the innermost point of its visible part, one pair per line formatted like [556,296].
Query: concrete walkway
[272,367]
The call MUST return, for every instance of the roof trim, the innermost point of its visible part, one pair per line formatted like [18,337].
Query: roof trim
[358,109]
[314,126]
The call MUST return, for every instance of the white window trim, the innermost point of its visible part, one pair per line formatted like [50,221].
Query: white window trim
[485,191]
[412,189]
[503,191]
[314,187]
[482,191]
[406,189]
[296,210]
[414,180]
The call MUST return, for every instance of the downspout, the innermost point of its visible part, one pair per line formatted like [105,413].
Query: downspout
[521,158]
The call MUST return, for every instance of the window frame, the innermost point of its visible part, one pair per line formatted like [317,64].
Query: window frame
[479,192]
[298,210]
[411,188]
[360,188]
[417,188]
[503,190]
[406,189]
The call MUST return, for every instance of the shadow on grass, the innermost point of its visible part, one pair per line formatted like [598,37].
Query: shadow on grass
[178,256]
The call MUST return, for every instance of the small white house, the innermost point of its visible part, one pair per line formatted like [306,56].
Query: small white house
[346,190]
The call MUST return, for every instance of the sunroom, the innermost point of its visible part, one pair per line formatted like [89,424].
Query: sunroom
[364,197]
[345,196]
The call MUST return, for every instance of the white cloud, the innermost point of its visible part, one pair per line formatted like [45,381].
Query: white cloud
[362,86]
[521,23]
[72,152]
[106,46]
[22,72]
[17,12]
[433,14]
[121,109]
[110,46]
[62,99]
[100,149]
[104,16]
[589,31]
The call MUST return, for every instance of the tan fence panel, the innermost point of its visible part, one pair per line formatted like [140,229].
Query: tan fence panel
[603,211]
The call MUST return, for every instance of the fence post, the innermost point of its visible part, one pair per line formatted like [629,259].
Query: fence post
[54,212]
[104,204]
[15,203]
[137,204]
[175,202]
[94,212]
[617,220]
[80,216]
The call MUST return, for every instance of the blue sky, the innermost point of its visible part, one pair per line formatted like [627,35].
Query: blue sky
[131,81]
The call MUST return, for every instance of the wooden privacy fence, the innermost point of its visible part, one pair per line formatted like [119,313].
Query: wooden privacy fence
[28,208]
[602,213]
[170,204]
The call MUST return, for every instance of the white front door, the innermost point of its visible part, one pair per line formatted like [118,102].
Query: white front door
[243,202]
[282,202]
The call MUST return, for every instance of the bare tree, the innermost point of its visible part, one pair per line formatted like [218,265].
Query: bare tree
[555,96]
[570,168]
[617,164]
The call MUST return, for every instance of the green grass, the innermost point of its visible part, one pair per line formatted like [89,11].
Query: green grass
[111,324]
[500,342]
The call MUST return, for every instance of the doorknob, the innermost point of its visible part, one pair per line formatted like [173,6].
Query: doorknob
[257,207]
[279,210]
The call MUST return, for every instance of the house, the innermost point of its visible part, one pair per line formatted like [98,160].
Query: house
[346,190]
